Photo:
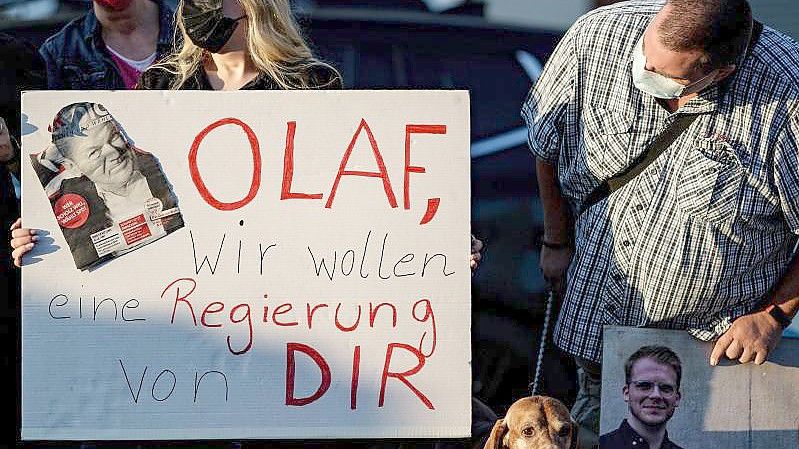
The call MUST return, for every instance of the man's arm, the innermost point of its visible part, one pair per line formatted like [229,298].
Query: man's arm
[557,248]
[557,219]
[754,336]
[545,111]
[786,296]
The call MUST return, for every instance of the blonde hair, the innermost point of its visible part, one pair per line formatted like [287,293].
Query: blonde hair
[274,45]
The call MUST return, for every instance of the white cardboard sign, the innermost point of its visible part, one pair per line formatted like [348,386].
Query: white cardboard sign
[318,289]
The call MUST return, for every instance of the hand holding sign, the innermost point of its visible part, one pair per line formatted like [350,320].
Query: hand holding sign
[22,241]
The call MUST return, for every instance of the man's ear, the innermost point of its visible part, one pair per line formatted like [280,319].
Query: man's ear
[497,434]
[626,392]
[677,399]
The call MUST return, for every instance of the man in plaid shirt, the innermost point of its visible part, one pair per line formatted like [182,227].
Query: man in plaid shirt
[703,238]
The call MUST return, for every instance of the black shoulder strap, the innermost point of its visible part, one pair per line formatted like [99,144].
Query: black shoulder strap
[655,149]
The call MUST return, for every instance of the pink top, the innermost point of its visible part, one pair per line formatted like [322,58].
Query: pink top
[130,75]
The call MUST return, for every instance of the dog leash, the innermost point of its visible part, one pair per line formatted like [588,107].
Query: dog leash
[542,346]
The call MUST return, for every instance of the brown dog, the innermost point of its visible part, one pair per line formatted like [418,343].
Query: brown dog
[536,422]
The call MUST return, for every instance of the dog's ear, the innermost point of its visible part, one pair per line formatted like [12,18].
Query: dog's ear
[497,434]
[575,443]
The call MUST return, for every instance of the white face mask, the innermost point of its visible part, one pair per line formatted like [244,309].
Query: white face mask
[656,84]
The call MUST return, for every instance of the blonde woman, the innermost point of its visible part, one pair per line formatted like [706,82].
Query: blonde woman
[239,44]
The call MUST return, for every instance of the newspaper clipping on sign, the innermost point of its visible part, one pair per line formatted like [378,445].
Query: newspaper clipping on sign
[108,196]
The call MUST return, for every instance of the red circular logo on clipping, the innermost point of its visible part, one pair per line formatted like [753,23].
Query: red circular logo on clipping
[71,211]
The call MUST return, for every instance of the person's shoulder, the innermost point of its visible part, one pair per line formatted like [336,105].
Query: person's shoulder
[145,160]
[776,56]
[612,25]
[75,29]
[44,174]
[618,13]
[608,438]
[323,76]
[668,444]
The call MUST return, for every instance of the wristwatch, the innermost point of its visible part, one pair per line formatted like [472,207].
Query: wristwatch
[783,319]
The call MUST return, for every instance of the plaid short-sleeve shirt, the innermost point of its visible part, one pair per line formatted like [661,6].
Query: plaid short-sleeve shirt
[705,231]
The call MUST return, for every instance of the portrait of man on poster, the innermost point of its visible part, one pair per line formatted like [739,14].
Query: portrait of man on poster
[108,196]
[652,377]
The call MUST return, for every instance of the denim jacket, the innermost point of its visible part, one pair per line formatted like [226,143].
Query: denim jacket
[76,57]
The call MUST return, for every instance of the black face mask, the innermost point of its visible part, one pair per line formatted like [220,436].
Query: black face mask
[205,24]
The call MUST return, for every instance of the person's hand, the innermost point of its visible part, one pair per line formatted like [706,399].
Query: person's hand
[475,256]
[751,337]
[554,263]
[22,241]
